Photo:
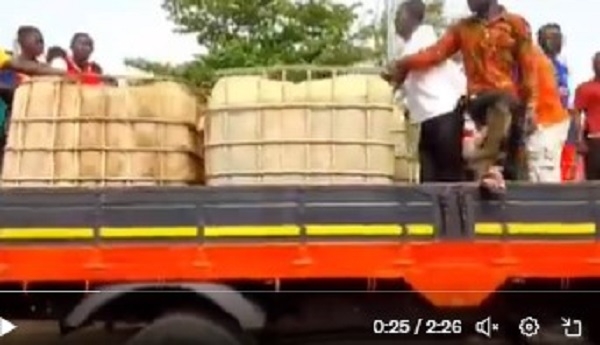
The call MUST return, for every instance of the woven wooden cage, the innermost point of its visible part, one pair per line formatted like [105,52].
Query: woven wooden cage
[142,132]
[300,125]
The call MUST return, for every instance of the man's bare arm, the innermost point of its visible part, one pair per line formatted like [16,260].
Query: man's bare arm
[33,68]
[580,104]
[446,47]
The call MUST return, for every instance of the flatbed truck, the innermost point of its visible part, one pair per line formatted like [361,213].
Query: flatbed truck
[303,265]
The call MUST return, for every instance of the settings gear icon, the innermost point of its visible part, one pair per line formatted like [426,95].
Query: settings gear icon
[529,327]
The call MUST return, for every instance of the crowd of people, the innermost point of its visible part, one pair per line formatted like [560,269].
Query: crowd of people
[509,113]
[30,58]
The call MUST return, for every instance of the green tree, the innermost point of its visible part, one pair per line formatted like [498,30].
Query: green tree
[435,15]
[252,33]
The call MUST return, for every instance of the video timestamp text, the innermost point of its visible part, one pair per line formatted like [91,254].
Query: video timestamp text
[418,326]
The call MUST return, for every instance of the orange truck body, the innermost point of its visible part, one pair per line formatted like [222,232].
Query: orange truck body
[443,240]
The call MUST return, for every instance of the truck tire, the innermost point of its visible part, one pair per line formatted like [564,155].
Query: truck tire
[186,329]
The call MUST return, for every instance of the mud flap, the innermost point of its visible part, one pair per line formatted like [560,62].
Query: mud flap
[447,214]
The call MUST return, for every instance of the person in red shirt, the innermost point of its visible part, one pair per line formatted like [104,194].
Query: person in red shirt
[587,102]
[79,63]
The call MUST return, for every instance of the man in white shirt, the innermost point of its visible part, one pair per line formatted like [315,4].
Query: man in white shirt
[431,97]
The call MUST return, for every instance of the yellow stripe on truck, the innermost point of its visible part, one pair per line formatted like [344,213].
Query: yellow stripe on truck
[318,230]
[420,229]
[46,233]
[354,230]
[539,229]
[252,231]
[339,230]
[312,230]
[149,232]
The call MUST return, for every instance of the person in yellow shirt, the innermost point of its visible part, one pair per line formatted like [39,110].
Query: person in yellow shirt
[545,145]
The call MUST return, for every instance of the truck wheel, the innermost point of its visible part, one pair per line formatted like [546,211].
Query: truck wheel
[186,329]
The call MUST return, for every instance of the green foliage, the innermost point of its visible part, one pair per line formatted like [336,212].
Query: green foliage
[435,15]
[251,33]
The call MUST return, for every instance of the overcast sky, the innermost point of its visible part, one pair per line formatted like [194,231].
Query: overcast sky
[131,28]
[121,28]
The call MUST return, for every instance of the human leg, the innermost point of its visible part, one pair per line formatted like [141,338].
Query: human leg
[427,166]
[498,122]
[592,159]
[544,151]
[446,147]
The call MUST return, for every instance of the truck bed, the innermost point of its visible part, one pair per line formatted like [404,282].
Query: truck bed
[409,233]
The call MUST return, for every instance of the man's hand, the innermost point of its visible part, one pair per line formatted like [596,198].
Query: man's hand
[72,77]
[493,180]
[108,80]
[394,73]
[399,72]
[386,75]
[400,76]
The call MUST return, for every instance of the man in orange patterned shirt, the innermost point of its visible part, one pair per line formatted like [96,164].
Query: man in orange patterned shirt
[497,48]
